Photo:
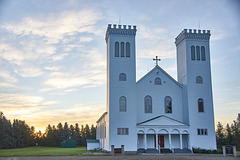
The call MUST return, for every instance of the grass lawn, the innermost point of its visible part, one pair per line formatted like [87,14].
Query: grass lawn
[43,151]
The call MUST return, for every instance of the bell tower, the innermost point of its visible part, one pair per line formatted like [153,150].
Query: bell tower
[194,72]
[121,86]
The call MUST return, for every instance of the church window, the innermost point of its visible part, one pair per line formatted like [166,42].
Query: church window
[122,131]
[122,104]
[122,49]
[193,53]
[203,53]
[199,80]
[148,104]
[198,53]
[157,81]
[200,105]
[127,49]
[122,77]
[202,132]
[168,104]
[116,49]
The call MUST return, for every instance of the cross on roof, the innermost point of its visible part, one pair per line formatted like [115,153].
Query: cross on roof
[156,59]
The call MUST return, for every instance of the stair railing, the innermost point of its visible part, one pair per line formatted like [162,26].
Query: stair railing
[159,149]
[190,147]
[172,148]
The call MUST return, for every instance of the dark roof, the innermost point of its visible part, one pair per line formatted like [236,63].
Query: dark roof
[68,140]
[92,141]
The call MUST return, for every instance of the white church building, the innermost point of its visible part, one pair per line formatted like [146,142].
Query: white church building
[158,112]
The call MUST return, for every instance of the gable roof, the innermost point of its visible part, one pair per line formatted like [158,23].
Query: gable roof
[164,72]
[162,121]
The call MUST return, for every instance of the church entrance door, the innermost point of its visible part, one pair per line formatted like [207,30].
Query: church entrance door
[161,140]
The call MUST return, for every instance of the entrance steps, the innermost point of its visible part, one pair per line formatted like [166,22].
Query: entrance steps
[163,150]
[185,150]
[151,150]
[141,150]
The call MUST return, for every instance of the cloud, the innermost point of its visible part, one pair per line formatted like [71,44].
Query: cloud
[23,105]
[62,80]
[6,84]
[16,100]
[59,57]
[70,90]
[219,35]
[28,70]
[6,75]
[79,113]
[86,39]
[154,41]
[53,68]
[10,53]
[35,41]
[236,49]
[86,70]
[86,113]
[54,26]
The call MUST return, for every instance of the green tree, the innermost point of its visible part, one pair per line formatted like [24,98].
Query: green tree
[220,137]
[77,136]
[236,132]
[39,138]
[6,133]
[50,140]
[229,136]
[87,131]
[55,136]
[60,131]
[66,131]
[83,136]
[93,132]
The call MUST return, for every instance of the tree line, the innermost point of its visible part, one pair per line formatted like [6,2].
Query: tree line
[54,135]
[228,135]
[18,134]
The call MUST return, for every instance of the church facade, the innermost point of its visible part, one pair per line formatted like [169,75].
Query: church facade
[158,112]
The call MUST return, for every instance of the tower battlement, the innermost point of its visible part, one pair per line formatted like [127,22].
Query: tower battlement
[192,34]
[120,30]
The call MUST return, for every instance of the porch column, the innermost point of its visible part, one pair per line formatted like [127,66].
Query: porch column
[170,141]
[145,140]
[180,140]
[156,141]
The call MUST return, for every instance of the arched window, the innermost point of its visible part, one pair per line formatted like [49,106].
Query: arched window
[148,104]
[157,81]
[193,57]
[127,49]
[168,104]
[200,105]
[122,77]
[198,53]
[123,104]
[122,49]
[116,49]
[199,80]
[203,53]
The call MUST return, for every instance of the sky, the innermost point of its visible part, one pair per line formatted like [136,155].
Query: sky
[53,53]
